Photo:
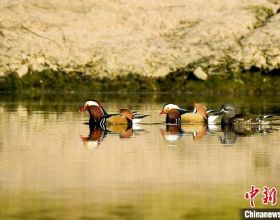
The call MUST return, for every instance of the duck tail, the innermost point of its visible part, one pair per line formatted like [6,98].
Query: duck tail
[137,118]
[268,119]
[267,116]
[110,115]
[210,111]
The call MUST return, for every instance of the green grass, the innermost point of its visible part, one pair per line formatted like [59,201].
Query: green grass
[49,81]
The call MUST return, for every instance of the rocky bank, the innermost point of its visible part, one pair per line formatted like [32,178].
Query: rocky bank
[150,38]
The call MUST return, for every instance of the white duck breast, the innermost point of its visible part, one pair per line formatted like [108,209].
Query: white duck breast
[136,120]
[214,119]
[136,127]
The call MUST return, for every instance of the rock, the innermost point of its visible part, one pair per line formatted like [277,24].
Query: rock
[134,36]
[200,74]
[259,49]
[22,70]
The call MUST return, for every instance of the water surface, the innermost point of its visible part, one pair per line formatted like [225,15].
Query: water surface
[53,167]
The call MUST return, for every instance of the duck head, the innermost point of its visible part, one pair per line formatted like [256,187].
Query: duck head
[92,103]
[228,110]
[165,109]
[127,113]
[96,113]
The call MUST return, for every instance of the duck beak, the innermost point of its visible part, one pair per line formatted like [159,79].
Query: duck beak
[82,108]
[220,112]
[162,112]
[211,111]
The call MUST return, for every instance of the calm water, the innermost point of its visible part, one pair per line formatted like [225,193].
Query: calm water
[53,167]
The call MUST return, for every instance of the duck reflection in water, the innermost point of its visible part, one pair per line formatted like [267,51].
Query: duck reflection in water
[198,131]
[174,132]
[231,132]
[95,137]
[97,133]
[229,136]
[124,131]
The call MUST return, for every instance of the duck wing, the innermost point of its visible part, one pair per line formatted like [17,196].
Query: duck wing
[138,116]
[243,118]
[268,119]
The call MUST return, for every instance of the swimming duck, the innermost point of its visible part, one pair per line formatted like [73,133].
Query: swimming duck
[98,115]
[230,117]
[175,114]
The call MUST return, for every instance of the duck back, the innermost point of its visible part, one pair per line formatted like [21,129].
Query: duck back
[117,120]
[192,118]
[243,119]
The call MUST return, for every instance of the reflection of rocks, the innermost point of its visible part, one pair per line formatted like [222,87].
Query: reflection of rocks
[214,37]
